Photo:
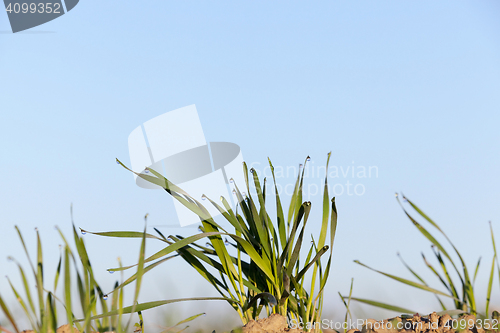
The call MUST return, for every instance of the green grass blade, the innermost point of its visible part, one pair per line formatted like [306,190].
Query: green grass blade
[114,306]
[264,224]
[187,320]
[146,269]
[451,287]
[434,224]
[124,234]
[279,211]
[453,312]
[333,224]
[288,248]
[184,198]
[7,314]
[476,270]
[35,324]
[466,281]
[294,201]
[411,270]
[383,305]
[154,304]
[52,312]
[313,261]
[405,281]
[298,243]
[67,289]
[26,288]
[326,208]
[348,311]
[490,286]
[171,248]
[58,273]
[39,277]
[140,271]
[25,250]
[495,251]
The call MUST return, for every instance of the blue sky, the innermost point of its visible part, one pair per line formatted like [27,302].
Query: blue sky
[410,87]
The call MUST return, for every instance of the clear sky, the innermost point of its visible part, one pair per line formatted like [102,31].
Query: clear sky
[409,87]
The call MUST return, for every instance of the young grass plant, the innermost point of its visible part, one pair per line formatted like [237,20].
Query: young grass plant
[263,262]
[462,293]
[43,315]
[118,312]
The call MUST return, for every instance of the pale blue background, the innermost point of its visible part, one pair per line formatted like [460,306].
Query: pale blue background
[411,87]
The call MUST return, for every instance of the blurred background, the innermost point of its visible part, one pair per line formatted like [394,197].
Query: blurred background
[409,88]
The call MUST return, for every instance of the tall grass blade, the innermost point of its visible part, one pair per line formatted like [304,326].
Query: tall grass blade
[382,305]
[405,281]
[151,305]
[7,313]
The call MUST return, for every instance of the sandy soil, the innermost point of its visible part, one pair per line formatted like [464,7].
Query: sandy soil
[274,324]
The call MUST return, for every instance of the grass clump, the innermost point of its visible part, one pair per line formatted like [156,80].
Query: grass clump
[258,263]
[101,313]
[462,292]
[40,308]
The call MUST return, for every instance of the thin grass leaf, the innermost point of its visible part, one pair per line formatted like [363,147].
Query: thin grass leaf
[39,278]
[187,320]
[146,269]
[477,269]
[26,289]
[411,270]
[450,286]
[155,304]
[452,312]
[52,312]
[405,281]
[467,283]
[140,271]
[279,211]
[35,323]
[9,316]
[298,244]
[124,234]
[67,288]
[495,250]
[440,278]
[313,261]
[58,273]
[490,286]
[169,249]
[382,305]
